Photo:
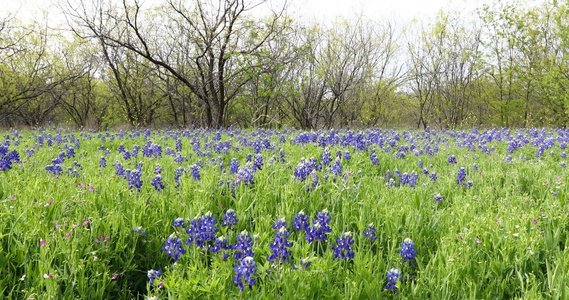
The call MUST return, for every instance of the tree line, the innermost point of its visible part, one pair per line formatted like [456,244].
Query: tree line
[220,63]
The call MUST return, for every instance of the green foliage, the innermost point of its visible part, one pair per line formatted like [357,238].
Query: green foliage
[516,257]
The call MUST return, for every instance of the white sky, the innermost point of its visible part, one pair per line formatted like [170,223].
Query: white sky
[323,10]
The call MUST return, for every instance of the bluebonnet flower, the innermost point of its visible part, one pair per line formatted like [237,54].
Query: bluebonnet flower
[280,224]
[420,163]
[390,183]
[563,165]
[248,158]
[220,244]
[438,197]
[157,169]
[302,265]
[433,176]
[425,171]
[119,170]
[153,275]
[347,155]
[408,251]
[370,233]
[468,184]
[243,246]
[258,163]
[461,176]
[156,150]
[134,151]
[157,183]
[56,169]
[206,229]
[452,159]
[392,276]
[7,159]
[70,152]
[342,250]
[146,150]
[245,175]
[103,162]
[174,247]
[233,166]
[336,168]
[179,222]
[152,298]
[179,172]
[134,180]
[121,149]
[245,268]
[195,171]
[300,222]
[280,245]
[140,230]
[281,151]
[229,219]
[315,178]
[126,155]
[563,155]
[301,170]
[178,145]
[399,154]
[326,157]
[374,158]
[475,167]
[320,227]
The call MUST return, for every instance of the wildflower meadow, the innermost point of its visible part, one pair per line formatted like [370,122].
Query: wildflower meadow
[284,214]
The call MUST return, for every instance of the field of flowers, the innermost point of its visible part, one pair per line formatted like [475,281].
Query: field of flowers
[233,213]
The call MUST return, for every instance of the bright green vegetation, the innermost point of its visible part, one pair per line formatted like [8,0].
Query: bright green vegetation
[521,225]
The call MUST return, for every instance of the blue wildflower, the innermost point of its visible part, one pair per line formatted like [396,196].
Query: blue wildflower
[320,227]
[392,276]
[153,275]
[157,183]
[103,162]
[452,159]
[245,268]
[370,233]
[326,157]
[174,247]
[342,250]
[229,219]
[408,251]
[280,244]
[438,197]
[140,230]
[243,246]
[300,222]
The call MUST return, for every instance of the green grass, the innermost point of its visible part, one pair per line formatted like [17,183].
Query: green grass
[515,258]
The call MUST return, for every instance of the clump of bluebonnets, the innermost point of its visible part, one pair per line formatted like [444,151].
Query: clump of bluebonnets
[301,222]
[370,232]
[229,219]
[320,227]
[244,269]
[153,275]
[173,247]
[392,276]
[408,251]
[281,244]
[157,183]
[342,250]
[438,198]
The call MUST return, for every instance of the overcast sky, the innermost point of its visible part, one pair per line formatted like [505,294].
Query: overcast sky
[400,10]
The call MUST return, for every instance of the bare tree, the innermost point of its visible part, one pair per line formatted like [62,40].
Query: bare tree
[205,46]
